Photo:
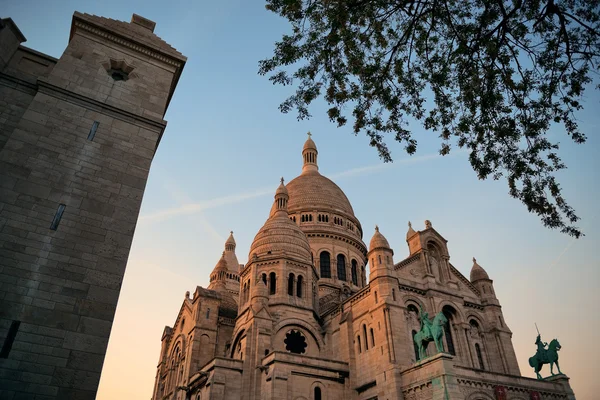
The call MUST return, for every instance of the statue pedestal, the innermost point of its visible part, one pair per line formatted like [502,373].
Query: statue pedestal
[434,377]
[562,380]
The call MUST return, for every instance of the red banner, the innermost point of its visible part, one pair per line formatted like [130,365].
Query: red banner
[500,392]
[535,396]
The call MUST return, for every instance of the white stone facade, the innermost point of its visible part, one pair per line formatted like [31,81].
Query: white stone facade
[307,325]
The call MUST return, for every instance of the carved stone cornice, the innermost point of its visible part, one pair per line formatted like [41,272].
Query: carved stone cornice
[129,43]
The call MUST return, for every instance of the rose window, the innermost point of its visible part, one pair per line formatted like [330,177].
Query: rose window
[295,342]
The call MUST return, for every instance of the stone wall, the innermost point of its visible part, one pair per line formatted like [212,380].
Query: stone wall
[73,168]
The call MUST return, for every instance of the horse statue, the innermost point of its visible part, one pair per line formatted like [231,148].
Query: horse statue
[431,331]
[545,356]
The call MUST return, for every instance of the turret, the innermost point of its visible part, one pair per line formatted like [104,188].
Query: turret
[225,277]
[380,255]
[481,280]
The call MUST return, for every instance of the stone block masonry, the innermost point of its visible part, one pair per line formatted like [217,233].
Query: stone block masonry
[69,200]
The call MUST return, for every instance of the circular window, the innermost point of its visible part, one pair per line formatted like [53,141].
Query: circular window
[295,342]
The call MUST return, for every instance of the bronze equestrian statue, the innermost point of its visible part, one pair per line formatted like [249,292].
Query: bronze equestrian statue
[431,331]
[545,356]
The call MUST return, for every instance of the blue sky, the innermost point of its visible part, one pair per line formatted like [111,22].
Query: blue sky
[226,145]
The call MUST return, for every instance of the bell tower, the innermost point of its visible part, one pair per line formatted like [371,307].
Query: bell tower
[74,167]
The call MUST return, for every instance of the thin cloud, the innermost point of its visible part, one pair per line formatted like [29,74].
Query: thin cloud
[193,208]
[377,167]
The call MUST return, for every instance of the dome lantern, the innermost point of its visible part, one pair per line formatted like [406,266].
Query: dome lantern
[309,154]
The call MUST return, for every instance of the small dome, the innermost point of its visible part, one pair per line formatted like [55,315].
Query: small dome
[309,144]
[477,272]
[281,190]
[280,234]
[410,232]
[222,264]
[378,241]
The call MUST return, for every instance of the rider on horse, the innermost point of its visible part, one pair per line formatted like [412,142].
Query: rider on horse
[541,347]
[425,323]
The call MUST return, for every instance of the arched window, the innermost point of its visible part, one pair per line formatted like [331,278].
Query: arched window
[394,294]
[299,286]
[449,314]
[415,345]
[325,263]
[479,357]
[379,259]
[365,336]
[317,395]
[291,285]
[264,278]
[207,313]
[376,297]
[341,267]
[272,283]
[359,344]
[372,338]
[354,273]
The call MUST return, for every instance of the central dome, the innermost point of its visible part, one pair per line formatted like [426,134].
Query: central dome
[311,190]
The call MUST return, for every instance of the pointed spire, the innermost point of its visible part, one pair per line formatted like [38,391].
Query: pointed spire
[410,232]
[477,272]
[309,155]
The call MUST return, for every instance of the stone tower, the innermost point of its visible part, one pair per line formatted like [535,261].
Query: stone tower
[77,137]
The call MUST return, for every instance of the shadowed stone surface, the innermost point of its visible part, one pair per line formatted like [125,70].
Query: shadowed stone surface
[62,284]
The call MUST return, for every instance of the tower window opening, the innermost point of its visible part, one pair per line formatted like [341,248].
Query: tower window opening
[207,313]
[365,336]
[354,273]
[449,314]
[341,267]
[394,294]
[57,217]
[299,286]
[479,357]
[325,264]
[372,338]
[93,130]
[359,344]
[272,283]
[291,285]
[317,393]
